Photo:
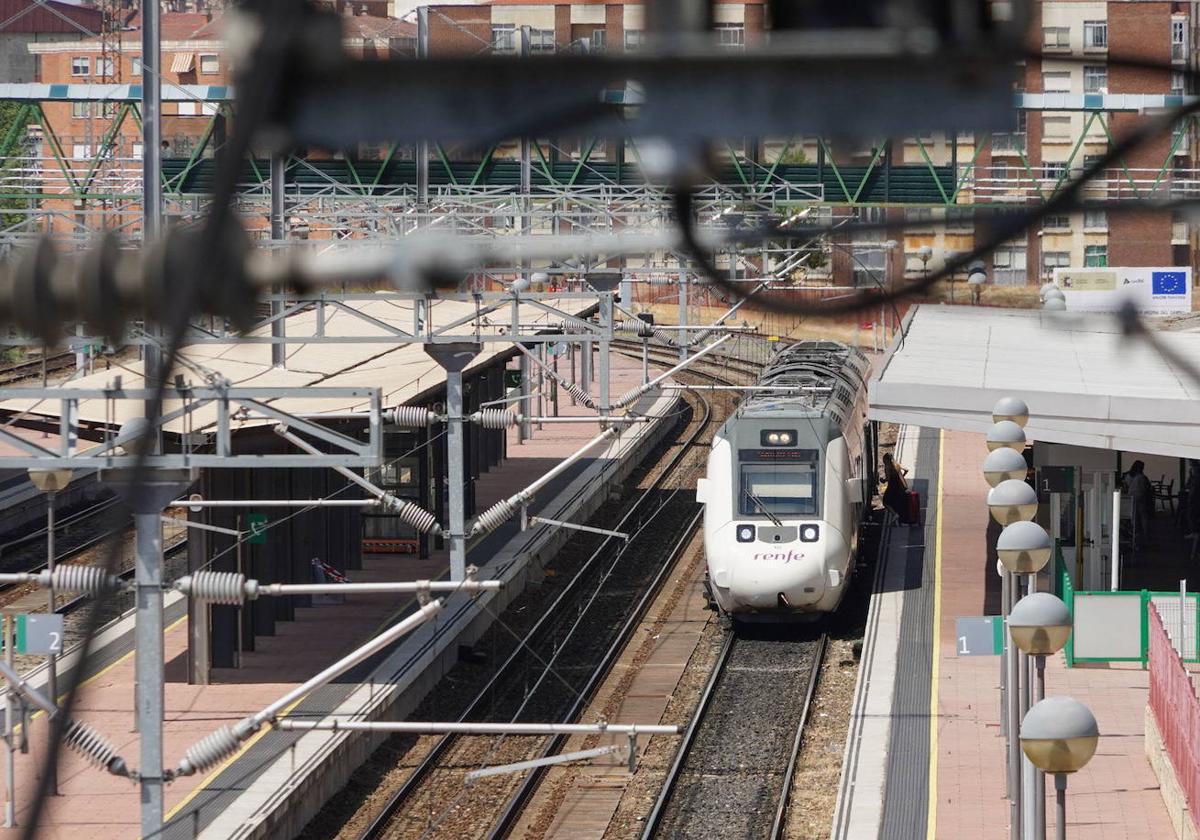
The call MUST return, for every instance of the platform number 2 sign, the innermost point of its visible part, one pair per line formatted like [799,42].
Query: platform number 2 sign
[38,633]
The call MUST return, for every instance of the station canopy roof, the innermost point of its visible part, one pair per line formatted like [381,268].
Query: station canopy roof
[1085,383]
[401,371]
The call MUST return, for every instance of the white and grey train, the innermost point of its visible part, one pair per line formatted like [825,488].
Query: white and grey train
[788,478]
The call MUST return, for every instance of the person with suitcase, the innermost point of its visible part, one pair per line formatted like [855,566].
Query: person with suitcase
[896,496]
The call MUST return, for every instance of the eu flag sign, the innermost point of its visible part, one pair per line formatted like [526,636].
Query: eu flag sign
[1168,283]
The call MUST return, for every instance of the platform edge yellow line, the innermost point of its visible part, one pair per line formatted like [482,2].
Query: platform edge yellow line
[936,646]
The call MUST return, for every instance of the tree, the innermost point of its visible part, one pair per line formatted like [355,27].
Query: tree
[10,198]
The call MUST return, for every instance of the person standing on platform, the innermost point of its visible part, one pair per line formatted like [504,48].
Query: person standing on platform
[895,494]
[1141,495]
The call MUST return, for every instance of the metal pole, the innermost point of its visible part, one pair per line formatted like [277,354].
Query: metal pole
[1014,721]
[554,384]
[1004,599]
[1060,796]
[52,663]
[606,320]
[524,430]
[237,551]
[683,315]
[278,350]
[541,390]
[149,668]
[422,150]
[1039,794]
[1028,771]
[455,466]
[151,124]
[645,360]
[10,780]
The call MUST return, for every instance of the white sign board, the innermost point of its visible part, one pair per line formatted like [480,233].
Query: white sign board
[1154,291]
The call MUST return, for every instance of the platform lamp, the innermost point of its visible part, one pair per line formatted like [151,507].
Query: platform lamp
[1059,735]
[1038,624]
[1053,300]
[1006,434]
[51,482]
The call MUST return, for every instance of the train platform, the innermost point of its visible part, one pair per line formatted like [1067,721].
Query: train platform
[925,753]
[278,780]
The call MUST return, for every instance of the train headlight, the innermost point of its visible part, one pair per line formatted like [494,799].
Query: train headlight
[777,437]
[745,533]
[809,533]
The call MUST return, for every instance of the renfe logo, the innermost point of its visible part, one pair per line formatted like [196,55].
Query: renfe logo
[786,556]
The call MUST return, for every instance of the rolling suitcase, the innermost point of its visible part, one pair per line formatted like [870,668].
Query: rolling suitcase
[912,508]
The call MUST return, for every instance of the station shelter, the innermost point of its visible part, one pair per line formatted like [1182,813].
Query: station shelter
[1099,401]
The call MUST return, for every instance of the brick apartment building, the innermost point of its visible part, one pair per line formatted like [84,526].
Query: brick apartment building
[1016,169]
[26,22]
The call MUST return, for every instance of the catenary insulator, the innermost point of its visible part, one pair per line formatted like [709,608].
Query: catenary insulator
[629,396]
[581,396]
[495,418]
[415,515]
[90,580]
[209,751]
[410,416]
[493,517]
[94,747]
[215,587]
[635,326]
[665,337]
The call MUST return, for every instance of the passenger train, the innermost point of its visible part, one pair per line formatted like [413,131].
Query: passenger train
[788,478]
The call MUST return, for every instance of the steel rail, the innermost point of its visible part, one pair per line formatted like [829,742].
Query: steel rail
[33,367]
[379,824]
[655,819]
[516,803]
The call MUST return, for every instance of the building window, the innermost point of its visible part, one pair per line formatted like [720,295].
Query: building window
[1056,223]
[1178,39]
[634,38]
[1178,83]
[109,109]
[919,216]
[1054,170]
[597,39]
[1056,37]
[187,109]
[1095,35]
[1095,78]
[81,110]
[210,63]
[81,151]
[1095,256]
[961,220]
[135,65]
[732,35]
[1056,81]
[1008,264]
[1095,220]
[1055,259]
[81,65]
[104,67]
[1056,126]
[137,151]
[504,37]
[541,40]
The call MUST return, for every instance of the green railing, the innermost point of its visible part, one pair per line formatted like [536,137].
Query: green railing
[1167,601]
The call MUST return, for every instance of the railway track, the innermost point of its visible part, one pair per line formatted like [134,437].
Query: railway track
[559,662]
[732,774]
[33,367]
[579,636]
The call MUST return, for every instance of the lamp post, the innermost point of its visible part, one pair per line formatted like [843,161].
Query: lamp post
[1010,501]
[1024,549]
[1059,736]
[51,482]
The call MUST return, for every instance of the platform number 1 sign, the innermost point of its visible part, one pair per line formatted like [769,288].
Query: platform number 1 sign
[981,635]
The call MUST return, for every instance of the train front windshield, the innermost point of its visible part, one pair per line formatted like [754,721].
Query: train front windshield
[776,489]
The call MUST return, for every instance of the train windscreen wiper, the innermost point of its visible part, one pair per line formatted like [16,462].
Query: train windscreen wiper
[758,503]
